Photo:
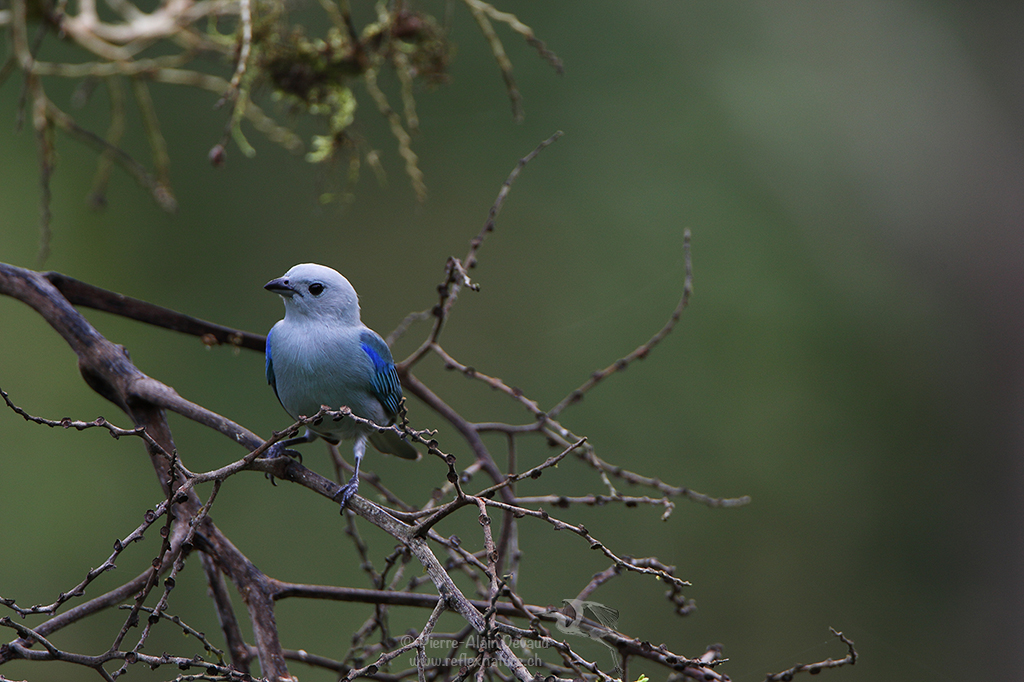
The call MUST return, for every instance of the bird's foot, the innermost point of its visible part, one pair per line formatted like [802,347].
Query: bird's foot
[280,449]
[346,493]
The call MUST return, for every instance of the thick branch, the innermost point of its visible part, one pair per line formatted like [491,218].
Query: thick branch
[107,369]
[80,293]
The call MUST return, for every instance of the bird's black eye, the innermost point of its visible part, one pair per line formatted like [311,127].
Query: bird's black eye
[316,288]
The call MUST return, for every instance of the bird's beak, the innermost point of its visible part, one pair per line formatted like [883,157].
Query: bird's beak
[280,286]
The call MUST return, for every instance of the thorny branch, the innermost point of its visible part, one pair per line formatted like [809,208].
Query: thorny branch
[490,615]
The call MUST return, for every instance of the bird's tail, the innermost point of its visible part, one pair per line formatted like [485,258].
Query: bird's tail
[390,443]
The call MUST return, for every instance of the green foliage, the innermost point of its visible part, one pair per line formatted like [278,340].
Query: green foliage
[266,47]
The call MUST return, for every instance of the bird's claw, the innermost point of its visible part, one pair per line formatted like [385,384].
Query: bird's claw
[346,493]
[280,449]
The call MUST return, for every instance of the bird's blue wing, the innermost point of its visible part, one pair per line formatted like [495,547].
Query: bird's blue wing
[271,379]
[384,381]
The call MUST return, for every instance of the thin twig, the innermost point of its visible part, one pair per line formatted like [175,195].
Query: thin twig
[498,50]
[815,668]
[158,192]
[643,350]
[78,590]
[522,29]
[456,271]
[412,168]
[157,144]
[245,15]
[98,196]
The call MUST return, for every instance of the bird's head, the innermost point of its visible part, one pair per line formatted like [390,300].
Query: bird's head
[316,291]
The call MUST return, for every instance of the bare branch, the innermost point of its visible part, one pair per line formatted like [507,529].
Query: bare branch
[642,351]
[815,668]
[456,271]
[119,546]
[80,293]
[476,8]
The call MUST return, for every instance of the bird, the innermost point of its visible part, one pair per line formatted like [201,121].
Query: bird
[570,621]
[322,354]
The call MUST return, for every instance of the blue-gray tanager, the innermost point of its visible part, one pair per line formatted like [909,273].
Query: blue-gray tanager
[322,354]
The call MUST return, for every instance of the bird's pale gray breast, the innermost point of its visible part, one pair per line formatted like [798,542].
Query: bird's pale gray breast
[318,365]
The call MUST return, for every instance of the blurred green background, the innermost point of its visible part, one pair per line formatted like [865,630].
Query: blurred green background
[853,175]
